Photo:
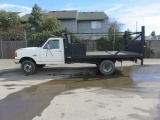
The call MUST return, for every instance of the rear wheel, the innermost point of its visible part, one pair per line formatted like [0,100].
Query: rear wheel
[28,67]
[106,67]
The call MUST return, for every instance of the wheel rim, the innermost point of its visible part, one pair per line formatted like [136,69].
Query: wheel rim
[107,67]
[28,67]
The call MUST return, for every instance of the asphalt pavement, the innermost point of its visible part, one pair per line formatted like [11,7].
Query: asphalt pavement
[79,91]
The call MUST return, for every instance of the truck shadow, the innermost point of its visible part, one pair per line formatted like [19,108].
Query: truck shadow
[85,73]
[91,77]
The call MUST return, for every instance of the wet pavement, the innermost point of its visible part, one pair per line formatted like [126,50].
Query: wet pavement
[31,101]
[146,74]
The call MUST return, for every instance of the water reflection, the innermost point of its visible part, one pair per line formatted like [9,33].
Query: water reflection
[146,74]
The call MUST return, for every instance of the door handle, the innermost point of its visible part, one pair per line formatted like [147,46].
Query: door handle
[58,50]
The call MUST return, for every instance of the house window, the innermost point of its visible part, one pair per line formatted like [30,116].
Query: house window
[96,25]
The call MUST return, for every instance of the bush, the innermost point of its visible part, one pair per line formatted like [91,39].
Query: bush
[74,37]
[106,43]
[38,39]
[13,34]
[149,53]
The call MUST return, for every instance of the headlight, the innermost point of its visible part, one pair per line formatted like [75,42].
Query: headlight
[15,54]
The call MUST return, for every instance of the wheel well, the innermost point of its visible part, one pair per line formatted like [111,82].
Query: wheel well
[27,58]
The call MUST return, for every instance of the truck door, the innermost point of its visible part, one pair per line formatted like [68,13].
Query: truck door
[52,52]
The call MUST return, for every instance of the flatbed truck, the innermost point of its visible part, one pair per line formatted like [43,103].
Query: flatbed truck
[57,50]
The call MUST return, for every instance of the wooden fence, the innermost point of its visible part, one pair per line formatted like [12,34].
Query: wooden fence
[7,48]
[155,46]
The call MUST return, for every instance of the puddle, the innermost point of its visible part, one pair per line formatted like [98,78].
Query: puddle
[158,109]
[146,74]
[30,102]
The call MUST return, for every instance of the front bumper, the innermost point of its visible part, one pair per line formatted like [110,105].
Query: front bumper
[16,61]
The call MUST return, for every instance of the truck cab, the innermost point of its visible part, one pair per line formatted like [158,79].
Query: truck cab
[52,52]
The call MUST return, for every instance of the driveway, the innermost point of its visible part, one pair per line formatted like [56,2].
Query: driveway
[76,92]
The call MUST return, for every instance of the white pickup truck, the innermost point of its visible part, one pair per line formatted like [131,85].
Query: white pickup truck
[63,51]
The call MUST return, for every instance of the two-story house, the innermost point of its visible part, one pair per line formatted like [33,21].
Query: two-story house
[92,22]
[81,22]
[68,19]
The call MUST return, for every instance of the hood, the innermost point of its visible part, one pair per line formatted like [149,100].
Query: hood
[29,48]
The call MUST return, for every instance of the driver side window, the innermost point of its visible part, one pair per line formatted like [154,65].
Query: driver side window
[52,44]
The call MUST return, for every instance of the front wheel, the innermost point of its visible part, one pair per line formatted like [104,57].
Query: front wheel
[28,67]
[107,67]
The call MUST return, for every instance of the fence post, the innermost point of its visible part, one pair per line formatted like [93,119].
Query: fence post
[125,38]
[1,46]
[12,50]
[25,37]
[142,42]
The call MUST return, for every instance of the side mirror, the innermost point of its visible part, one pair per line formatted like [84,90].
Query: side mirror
[48,46]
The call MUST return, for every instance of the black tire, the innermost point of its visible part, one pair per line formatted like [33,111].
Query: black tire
[39,66]
[107,67]
[28,67]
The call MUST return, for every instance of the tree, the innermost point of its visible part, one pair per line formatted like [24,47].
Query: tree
[50,23]
[114,35]
[114,40]
[153,34]
[43,21]
[38,39]
[10,26]
[9,20]
[36,18]
[114,26]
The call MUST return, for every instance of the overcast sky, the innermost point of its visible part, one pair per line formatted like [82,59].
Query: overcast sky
[129,12]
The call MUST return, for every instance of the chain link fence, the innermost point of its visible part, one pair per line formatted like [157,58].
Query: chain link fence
[105,42]
[94,42]
[101,41]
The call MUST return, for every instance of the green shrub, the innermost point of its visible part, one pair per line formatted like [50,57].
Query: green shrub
[104,44]
[74,37]
[38,39]
[107,44]
[149,53]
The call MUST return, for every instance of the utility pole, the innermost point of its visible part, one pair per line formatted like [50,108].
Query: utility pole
[136,27]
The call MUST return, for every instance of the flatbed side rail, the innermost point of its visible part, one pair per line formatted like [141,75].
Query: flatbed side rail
[127,44]
[140,34]
[137,47]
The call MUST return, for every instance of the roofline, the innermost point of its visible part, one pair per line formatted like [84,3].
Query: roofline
[62,10]
[76,17]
